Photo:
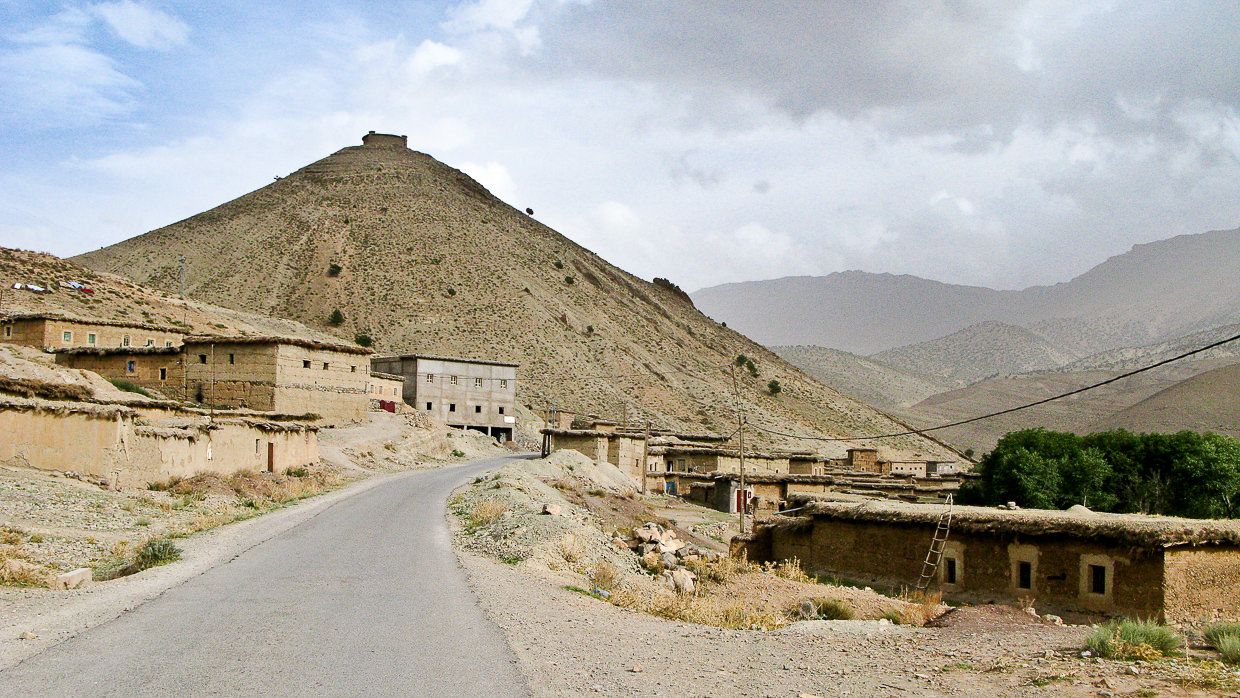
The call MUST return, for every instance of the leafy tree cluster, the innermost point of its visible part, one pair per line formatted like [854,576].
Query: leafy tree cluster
[1183,474]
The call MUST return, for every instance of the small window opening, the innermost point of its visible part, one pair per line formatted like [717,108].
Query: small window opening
[1097,579]
[125,341]
[305,364]
[8,331]
[202,358]
[430,378]
[68,336]
[452,407]
[501,410]
[477,409]
[90,338]
[163,374]
[428,407]
[167,342]
[452,380]
[129,366]
[150,342]
[325,365]
[503,383]
[477,382]
[232,358]
[949,571]
[352,369]
[1024,575]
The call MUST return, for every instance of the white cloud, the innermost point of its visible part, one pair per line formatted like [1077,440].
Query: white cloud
[431,55]
[495,177]
[143,26]
[66,84]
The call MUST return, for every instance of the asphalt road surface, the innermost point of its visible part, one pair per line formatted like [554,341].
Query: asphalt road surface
[366,598]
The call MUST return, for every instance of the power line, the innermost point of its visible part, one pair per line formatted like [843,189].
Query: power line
[1009,410]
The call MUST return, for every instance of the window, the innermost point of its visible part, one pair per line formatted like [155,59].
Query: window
[305,364]
[125,341]
[167,342]
[150,342]
[129,366]
[202,358]
[163,374]
[949,570]
[430,378]
[477,382]
[452,407]
[1024,575]
[8,331]
[1097,579]
[452,380]
[428,407]
[352,369]
[501,410]
[68,336]
[503,383]
[90,338]
[256,442]
[232,358]
[477,409]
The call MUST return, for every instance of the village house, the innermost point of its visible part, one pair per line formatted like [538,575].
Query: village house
[462,393]
[268,374]
[1076,561]
[386,392]
[50,331]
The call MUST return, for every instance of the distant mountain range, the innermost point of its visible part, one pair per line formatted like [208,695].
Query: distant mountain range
[1154,291]
[939,353]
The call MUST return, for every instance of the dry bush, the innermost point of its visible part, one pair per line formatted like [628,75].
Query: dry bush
[925,607]
[789,569]
[566,483]
[570,548]
[605,576]
[703,610]
[721,570]
[11,535]
[14,568]
[487,511]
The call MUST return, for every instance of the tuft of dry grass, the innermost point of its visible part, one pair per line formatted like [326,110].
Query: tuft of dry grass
[487,511]
[722,570]
[570,548]
[789,569]
[925,607]
[605,576]
[703,610]
[15,567]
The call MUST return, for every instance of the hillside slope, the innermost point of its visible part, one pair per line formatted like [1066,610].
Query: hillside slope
[870,381]
[120,299]
[1206,402]
[976,352]
[423,258]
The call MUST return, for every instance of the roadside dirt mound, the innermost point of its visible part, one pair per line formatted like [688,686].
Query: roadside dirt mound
[986,617]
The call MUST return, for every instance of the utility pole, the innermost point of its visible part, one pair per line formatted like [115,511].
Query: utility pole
[645,466]
[740,434]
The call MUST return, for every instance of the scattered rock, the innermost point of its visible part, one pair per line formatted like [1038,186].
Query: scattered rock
[1134,671]
[669,561]
[682,579]
[551,509]
[28,636]
[1052,619]
[637,669]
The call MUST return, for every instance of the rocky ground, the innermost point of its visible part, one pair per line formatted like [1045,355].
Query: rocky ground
[533,535]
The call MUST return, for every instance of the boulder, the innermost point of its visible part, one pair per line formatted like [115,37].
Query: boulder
[71,580]
[646,548]
[551,509]
[689,550]
[645,535]
[669,561]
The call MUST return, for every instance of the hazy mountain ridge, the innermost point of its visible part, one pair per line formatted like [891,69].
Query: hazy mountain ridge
[422,258]
[1152,292]
[870,381]
[976,352]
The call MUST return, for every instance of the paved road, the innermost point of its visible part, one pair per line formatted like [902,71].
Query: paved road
[366,598]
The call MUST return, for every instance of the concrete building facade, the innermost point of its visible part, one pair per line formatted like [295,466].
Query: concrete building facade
[462,393]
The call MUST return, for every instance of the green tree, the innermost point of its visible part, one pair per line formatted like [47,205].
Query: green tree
[336,318]
[774,387]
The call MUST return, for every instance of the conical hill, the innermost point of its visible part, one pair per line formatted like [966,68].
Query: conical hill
[422,258]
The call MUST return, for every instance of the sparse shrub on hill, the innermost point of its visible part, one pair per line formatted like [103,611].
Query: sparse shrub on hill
[570,279]
[336,318]
[363,339]
[334,269]
[774,387]
[558,264]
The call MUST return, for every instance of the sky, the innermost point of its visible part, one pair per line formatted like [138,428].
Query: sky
[1002,144]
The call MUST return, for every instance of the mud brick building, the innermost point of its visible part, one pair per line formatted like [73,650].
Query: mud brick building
[269,374]
[49,331]
[1100,564]
[462,393]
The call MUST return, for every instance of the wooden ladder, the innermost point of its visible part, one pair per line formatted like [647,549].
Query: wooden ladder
[930,566]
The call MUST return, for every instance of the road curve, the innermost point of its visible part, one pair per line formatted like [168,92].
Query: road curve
[365,598]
